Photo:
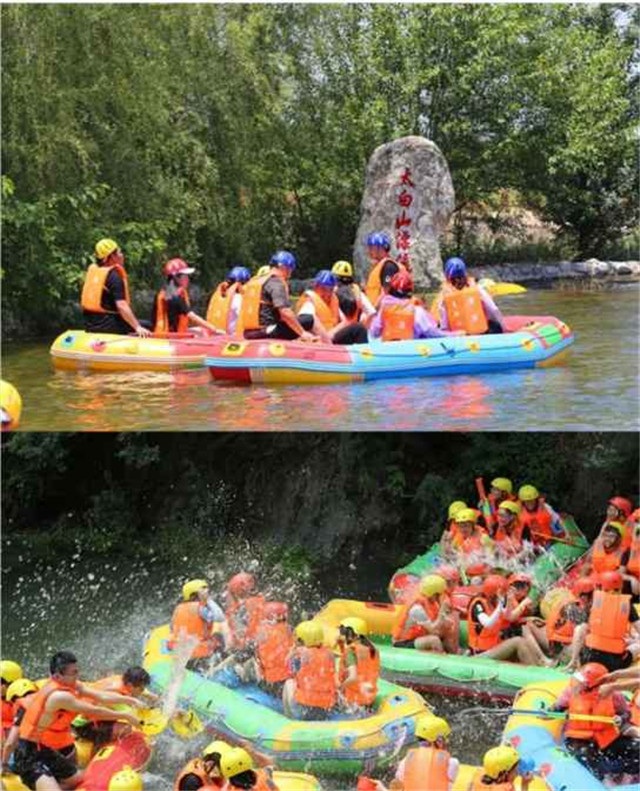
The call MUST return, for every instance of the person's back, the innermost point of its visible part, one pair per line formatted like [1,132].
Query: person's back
[106,284]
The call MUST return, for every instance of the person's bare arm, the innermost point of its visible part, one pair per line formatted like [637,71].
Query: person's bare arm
[289,317]
[124,309]
[69,702]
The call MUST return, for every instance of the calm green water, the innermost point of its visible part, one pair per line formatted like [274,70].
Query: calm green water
[594,387]
[102,611]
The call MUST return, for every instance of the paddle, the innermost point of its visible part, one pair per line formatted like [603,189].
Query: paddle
[500,289]
[561,540]
[485,503]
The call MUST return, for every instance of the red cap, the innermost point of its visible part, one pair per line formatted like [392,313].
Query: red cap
[176,266]
[610,580]
[402,282]
[622,504]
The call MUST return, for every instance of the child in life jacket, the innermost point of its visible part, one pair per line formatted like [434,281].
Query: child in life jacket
[312,691]
[429,765]
[500,768]
[359,667]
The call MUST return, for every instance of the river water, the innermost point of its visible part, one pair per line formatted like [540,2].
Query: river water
[594,387]
[101,610]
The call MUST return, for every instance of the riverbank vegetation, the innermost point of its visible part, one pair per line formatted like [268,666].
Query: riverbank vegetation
[219,132]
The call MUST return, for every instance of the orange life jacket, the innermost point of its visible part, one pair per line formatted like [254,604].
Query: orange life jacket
[264,781]
[112,684]
[402,631]
[558,627]
[491,518]
[465,310]
[480,785]
[362,691]
[57,735]
[606,561]
[472,543]
[373,288]
[95,284]
[635,708]
[220,304]
[244,617]
[316,680]
[328,315]
[426,768]
[7,715]
[482,638]
[538,521]
[609,622]
[274,643]
[510,543]
[196,767]
[186,619]
[633,564]
[590,702]
[398,321]
[162,314]
[252,299]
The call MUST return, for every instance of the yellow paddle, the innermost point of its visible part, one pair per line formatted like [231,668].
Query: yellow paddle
[500,289]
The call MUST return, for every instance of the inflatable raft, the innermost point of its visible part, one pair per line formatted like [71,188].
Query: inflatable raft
[545,571]
[335,746]
[444,673]
[77,350]
[540,740]
[532,341]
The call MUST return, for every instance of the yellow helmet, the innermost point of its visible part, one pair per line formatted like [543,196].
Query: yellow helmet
[217,746]
[104,248]
[432,584]
[235,761]
[191,587]
[264,270]
[10,671]
[509,505]
[528,492]
[500,759]
[126,780]
[429,727]
[310,633]
[466,515]
[616,526]
[19,688]
[358,625]
[504,484]
[342,269]
[456,505]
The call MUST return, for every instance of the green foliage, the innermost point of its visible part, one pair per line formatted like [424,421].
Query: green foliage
[220,132]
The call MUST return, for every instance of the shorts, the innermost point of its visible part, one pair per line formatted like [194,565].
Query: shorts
[33,763]
[404,644]
[610,661]
[280,330]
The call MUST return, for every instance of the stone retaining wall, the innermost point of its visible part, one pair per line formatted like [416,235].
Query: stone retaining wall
[567,270]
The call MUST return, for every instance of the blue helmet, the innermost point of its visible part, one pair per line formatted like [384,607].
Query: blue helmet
[455,267]
[283,258]
[379,239]
[239,274]
[325,278]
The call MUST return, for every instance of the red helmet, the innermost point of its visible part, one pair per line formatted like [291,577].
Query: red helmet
[176,266]
[622,504]
[448,573]
[477,570]
[402,282]
[241,584]
[275,609]
[494,584]
[524,579]
[584,585]
[591,674]
[610,580]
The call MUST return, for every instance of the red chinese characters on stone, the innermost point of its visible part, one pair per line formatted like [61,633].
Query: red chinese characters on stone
[403,258]
[405,198]
[402,219]
[405,178]
[403,239]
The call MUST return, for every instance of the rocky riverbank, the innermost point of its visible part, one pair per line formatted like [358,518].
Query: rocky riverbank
[593,269]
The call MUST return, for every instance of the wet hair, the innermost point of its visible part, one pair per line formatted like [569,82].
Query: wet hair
[245,780]
[190,782]
[347,301]
[343,280]
[61,661]
[136,677]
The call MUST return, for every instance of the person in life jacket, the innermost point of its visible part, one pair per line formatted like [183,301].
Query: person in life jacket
[244,611]
[451,528]
[266,311]
[330,322]
[133,682]
[203,773]
[487,624]
[627,679]
[464,305]
[597,744]
[469,538]
[105,299]
[312,691]
[225,304]
[519,605]
[239,772]
[399,317]
[347,286]
[619,510]
[543,522]
[18,697]
[510,534]
[608,553]
[9,672]
[500,768]
[427,622]
[45,753]
[383,267]
[559,640]
[273,644]
[171,307]
[501,490]
[359,666]
[193,620]
[429,765]
[631,574]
